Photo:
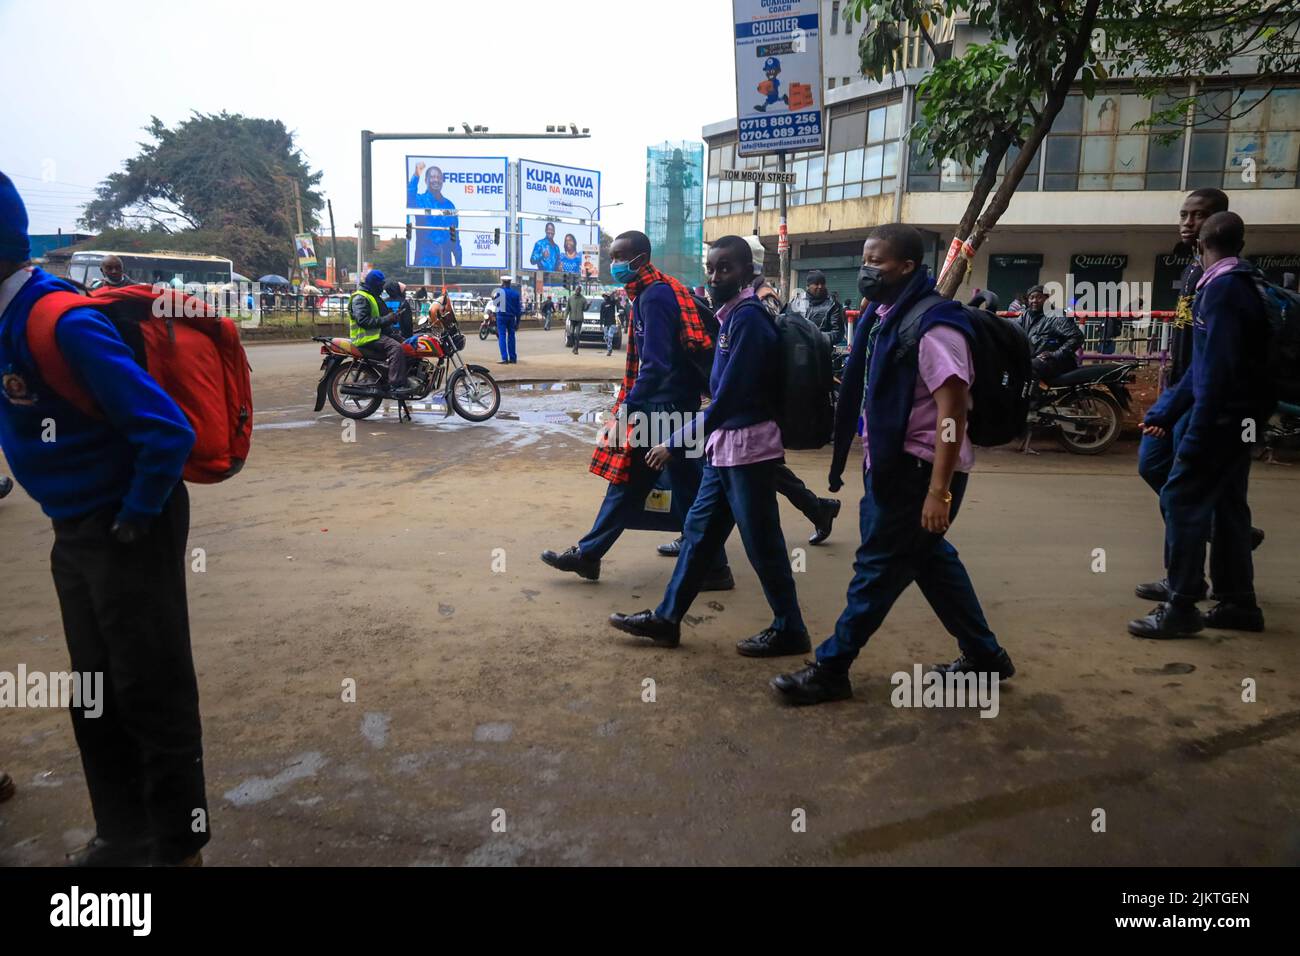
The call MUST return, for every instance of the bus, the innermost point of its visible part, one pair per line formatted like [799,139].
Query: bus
[173,268]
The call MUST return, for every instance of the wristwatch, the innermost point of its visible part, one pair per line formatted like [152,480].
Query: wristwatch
[944,496]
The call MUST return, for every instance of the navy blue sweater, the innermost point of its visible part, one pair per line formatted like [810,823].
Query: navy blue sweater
[892,384]
[131,459]
[665,376]
[1228,379]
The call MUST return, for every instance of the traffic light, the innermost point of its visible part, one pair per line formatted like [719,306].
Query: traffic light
[496,236]
[452,230]
[408,230]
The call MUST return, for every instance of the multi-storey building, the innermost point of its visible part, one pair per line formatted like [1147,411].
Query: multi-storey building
[1099,204]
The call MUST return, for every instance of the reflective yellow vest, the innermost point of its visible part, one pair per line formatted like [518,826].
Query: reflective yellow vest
[359,335]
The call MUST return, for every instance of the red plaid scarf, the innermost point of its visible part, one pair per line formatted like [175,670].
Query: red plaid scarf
[615,464]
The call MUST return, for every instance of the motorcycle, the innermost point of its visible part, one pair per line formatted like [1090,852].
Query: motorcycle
[487,327]
[1281,433]
[356,383]
[1084,406]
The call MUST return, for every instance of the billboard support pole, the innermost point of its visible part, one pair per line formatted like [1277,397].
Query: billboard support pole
[758,204]
[367,215]
[783,241]
[512,216]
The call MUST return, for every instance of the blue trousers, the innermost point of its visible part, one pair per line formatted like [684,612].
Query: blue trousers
[1206,501]
[1156,460]
[897,550]
[506,336]
[623,501]
[742,497]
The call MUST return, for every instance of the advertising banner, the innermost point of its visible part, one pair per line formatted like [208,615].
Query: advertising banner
[471,242]
[305,249]
[453,183]
[553,246]
[549,190]
[778,75]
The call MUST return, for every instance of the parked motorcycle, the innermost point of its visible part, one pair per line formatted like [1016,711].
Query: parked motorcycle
[1084,406]
[356,384]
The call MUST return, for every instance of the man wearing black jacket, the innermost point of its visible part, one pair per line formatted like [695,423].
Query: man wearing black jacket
[1054,338]
[823,311]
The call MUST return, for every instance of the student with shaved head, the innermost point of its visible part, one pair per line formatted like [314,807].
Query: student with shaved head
[1226,387]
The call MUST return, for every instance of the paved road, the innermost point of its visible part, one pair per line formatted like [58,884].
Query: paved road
[482,691]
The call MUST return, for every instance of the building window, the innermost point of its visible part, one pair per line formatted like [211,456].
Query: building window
[835,18]
[1263,141]
[864,153]
[831,83]
[845,81]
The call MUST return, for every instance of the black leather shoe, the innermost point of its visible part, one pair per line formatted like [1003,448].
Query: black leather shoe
[1228,616]
[719,579]
[999,664]
[649,624]
[6,485]
[7,787]
[1168,621]
[572,560]
[815,684]
[830,510]
[1256,536]
[773,643]
[100,852]
[672,548]
[1158,591]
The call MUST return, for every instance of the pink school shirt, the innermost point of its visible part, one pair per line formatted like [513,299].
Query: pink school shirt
[942,353]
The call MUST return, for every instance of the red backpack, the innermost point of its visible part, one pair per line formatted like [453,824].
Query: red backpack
[194,355]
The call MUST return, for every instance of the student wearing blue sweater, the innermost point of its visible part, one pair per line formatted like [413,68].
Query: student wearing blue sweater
[1222,395]
[742,452]
[111,486]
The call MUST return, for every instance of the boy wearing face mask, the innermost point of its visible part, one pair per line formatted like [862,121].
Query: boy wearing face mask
[742,452]
[916,460]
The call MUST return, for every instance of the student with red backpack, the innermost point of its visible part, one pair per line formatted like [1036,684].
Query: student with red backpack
[109,478]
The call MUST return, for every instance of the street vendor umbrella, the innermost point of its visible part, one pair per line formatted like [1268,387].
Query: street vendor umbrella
[273,280]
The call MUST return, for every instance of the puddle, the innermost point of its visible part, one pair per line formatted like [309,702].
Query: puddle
[593,417]
[601,388]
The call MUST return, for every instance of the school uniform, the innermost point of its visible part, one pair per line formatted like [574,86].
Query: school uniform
[123,605]
[900,416]
[1206,491]
[742,452]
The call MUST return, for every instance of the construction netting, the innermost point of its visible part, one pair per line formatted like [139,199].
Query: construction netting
[674,208]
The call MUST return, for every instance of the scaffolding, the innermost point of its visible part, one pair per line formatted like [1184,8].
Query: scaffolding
[674,208]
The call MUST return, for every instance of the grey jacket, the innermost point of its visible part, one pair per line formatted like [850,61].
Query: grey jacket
[1053,332]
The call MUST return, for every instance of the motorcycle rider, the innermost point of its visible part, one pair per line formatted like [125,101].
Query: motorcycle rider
[403,324]
[369,315]
[1054,338]
[823,311]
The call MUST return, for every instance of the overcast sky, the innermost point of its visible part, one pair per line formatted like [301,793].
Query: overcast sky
[82,78]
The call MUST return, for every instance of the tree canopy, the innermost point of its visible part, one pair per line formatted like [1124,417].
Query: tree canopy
[222,183]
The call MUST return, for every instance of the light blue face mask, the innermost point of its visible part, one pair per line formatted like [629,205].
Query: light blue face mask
[623,272]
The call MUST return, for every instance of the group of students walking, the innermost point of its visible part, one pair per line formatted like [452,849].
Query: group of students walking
[1195,452]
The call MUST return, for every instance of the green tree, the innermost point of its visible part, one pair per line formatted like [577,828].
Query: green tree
[224,180]
[1000,98]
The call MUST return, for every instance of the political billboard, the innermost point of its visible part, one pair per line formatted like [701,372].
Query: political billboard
[305,249]
[553,246]
[778,75]
[450,241]
[546,189]
[476,183]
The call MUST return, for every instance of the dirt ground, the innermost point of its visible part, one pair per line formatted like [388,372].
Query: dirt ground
[504,696]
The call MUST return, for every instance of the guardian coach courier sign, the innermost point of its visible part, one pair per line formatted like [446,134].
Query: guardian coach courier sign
[778,75]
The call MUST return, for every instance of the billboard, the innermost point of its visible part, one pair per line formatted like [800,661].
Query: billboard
[778,75]
[434,245]
[304,247]
[546,189]
[553,246]
[475,183]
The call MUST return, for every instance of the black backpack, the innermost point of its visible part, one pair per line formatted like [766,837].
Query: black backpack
[806,411]
[1004,373]
[1282,309]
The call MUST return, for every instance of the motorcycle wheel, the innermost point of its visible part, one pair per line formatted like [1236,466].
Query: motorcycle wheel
[1102,429]
[354,406]
[475,396]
